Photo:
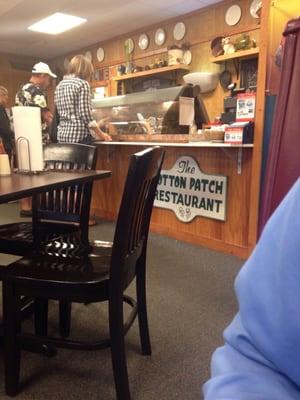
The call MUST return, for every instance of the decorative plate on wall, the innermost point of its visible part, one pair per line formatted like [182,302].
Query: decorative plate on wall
[143,41]
[254,7]
[129,45]
[179,31]
[233,15]
[216,46]
[88,55]
[66,63]
[160,37]
[100,54]
[187,57]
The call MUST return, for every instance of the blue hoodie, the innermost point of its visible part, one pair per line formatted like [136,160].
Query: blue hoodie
[261,356]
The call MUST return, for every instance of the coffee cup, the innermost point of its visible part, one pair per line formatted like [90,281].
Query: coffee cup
[4,165]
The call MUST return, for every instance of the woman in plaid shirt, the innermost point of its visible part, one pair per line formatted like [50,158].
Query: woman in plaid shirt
[73,103]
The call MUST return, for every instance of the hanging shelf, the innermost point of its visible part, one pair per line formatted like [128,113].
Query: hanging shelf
[154,71]
[251,53]
[236,57]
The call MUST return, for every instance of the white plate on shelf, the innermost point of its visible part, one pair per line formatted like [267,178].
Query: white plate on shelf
[160,37]
[179,31]
[254,7]
[143,41]
[129,45]
[100,54]
[187,57]
[233,15]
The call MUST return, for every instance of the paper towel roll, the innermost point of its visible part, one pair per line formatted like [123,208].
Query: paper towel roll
[28,126]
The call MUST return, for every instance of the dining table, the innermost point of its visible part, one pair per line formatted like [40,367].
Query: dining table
[19,185]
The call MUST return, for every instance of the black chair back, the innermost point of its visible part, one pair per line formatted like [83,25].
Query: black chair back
[71,204]
[131,234]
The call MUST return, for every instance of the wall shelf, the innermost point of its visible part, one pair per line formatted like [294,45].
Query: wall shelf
[251,53]
[154,71]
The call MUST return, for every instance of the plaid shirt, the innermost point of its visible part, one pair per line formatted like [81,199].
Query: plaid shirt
[73,103]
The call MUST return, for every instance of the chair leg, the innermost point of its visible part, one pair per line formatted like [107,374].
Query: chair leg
[41,316]
[11,319]
[65,309]
[118,352]
[41,328]
[142,309]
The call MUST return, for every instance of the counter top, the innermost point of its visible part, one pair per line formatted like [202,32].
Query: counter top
[170,144]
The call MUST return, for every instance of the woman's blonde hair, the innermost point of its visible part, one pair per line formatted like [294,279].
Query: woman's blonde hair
[81,67]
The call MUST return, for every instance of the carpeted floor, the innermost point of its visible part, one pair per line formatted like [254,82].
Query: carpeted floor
[190,301]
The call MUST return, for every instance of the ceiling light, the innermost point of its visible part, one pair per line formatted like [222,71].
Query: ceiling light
[56,23]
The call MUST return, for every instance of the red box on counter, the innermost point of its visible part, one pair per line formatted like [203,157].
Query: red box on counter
[239,133]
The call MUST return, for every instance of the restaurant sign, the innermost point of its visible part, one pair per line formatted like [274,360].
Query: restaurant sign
[189,192]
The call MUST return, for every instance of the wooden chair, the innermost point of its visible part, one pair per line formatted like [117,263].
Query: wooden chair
[91,279]
[58,211]
[55,215]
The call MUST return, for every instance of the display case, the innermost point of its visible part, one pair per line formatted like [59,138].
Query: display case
[149,115]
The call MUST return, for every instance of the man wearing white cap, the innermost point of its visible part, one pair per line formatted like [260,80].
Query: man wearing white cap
[33,94]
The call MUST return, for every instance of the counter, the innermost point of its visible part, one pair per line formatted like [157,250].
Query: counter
[234,162]
[169,144]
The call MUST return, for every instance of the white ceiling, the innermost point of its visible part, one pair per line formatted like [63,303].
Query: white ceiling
[105,19]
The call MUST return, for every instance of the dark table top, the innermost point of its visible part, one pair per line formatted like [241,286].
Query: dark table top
[17,186]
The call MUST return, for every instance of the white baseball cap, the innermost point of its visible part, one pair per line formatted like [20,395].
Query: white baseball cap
[42,68]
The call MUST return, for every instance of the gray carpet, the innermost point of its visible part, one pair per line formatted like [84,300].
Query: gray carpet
[190,301]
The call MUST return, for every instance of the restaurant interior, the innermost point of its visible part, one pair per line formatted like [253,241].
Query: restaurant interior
[197,99]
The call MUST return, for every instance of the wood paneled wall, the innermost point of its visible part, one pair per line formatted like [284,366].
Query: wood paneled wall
[202,26]
[281,11]
[11,77]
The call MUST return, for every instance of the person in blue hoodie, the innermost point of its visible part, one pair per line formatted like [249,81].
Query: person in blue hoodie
[261,356]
